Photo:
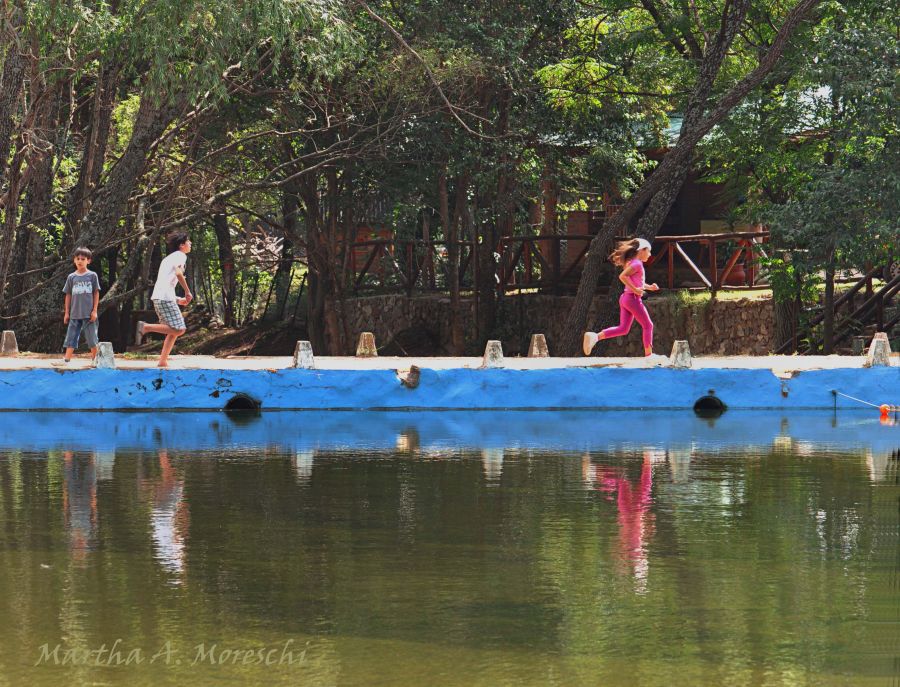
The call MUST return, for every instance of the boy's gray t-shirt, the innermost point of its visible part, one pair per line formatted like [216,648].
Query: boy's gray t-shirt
[81,287]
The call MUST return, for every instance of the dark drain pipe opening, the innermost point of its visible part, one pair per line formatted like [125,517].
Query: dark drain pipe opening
[242,402]
[709,406]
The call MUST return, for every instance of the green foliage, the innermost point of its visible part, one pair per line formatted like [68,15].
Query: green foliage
[791,278]
[814,153]
[315,101]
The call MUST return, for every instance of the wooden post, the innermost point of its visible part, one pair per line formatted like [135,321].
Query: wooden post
[713,268]
[557,268]
[671,250]
[527,246]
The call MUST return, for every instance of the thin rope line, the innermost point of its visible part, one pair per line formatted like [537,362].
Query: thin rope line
[874,405]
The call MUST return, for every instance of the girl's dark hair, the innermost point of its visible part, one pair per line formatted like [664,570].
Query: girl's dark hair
[624,252]
[83,251]
[176,240]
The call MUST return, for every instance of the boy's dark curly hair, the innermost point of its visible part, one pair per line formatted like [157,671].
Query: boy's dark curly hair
[176,240]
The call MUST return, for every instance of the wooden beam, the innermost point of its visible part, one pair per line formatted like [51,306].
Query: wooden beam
[692,265]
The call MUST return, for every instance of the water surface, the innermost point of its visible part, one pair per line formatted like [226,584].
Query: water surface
[449,549]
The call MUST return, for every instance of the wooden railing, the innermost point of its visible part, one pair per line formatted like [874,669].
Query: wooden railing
[407,264]
[742,249]
[553,263]
[850,315]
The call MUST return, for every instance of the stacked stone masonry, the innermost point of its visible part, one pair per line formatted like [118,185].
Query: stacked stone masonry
[715,327]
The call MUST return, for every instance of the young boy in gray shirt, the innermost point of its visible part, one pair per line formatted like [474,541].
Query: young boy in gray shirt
[82,291]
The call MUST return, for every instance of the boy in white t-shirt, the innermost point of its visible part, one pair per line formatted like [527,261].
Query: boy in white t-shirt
[165,301]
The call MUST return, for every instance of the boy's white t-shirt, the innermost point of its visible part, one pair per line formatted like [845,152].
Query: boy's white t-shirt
[166,279]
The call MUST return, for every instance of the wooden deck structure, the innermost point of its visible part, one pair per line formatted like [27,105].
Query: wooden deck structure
[553,263]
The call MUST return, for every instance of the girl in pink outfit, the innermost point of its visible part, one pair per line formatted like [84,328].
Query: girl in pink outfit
[630,256]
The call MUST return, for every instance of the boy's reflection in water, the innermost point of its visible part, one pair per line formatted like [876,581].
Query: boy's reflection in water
[80,503]
[633,502]
[169,517]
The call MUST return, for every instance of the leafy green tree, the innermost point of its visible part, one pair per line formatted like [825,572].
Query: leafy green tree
[815,153]
[718,86]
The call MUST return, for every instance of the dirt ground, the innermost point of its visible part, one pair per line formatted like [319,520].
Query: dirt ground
[255,339]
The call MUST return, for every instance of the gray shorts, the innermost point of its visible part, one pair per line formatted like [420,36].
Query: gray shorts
[75,329]
[169,314]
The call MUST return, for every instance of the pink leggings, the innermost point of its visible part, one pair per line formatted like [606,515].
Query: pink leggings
[631,308]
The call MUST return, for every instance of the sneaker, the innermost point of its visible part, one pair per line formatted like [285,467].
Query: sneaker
[656,359]
[588,341]
[139,333]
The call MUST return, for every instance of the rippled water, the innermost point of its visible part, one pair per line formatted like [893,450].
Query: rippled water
[449,549]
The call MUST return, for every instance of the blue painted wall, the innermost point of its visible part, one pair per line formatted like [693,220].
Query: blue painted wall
[470,389]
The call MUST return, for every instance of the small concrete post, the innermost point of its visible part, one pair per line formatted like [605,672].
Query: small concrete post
[538,347]
[493,355]
[879,350]
[105,359]
[681,354]
[366,346]
[8,345]
[859,345]
[303,356]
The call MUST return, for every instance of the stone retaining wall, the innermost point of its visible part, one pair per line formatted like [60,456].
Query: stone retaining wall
[716,327]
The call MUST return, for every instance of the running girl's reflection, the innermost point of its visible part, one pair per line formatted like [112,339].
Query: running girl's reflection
[633,502]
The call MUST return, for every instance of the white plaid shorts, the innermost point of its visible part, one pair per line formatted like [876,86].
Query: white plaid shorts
[169,314]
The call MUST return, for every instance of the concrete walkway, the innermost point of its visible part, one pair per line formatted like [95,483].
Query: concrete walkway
[779,364]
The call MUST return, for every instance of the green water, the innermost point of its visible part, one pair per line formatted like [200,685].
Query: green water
[444,566]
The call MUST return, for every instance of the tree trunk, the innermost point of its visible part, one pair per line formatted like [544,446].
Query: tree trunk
[828,321]
[317,265]
[289,206]
[785,324]
[226,262]
[451,226]
[330,269]
[428,252]
[293,236]
[549,202]
[486,281]
[654,214]
[676,158]
[11,81]
[95,142]
[648,227]
[10,221]
[109,317]
[102,219]
[101,224]
[36,209]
